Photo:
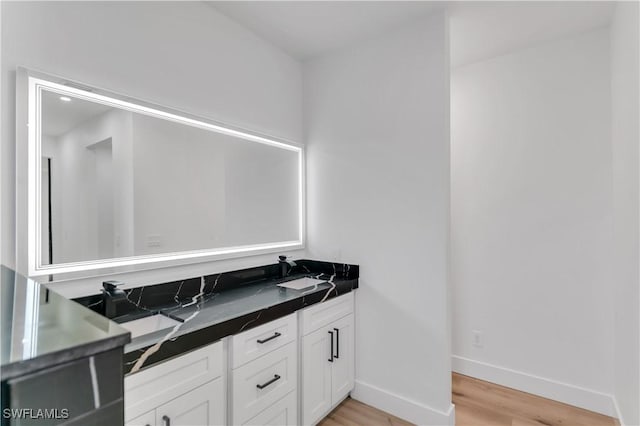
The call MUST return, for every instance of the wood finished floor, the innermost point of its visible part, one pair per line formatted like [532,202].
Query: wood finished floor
[479,403]
[355,413]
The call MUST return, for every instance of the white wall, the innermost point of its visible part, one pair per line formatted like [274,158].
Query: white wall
[3,179]
[625,88]
[178,179]
[531,220]
[187,188]
[79,188]
[106,198]
[262,206]
[188,57]
[378,193]
[225,191]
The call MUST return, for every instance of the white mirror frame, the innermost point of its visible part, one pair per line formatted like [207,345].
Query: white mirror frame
[29,113]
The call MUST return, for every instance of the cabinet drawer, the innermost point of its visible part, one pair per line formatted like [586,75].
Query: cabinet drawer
[258,341]
[324,313]
[203,406]
[165,381]
[146,419]
[260,383]
[282,413]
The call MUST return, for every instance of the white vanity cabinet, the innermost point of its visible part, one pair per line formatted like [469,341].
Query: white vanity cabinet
[292,370]
[327,356]
[264,375]
[200,406]
[183,391]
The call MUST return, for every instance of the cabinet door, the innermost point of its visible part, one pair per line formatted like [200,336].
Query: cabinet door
[316,375]
[147,419]
[282,413]
[203,406]
[342,369]
[166,381]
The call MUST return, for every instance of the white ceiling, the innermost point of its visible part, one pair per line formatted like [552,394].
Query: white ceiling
[58,117]
[479,30]
[305,29]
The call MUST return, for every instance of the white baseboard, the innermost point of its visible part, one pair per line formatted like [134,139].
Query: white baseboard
[569,394]
[402,407]
[618,414]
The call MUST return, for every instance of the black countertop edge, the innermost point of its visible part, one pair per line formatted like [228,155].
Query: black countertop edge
[210,334]
[40,328]
[52,359]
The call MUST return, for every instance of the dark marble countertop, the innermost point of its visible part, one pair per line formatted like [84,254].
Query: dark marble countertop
[215,306]
[40,328]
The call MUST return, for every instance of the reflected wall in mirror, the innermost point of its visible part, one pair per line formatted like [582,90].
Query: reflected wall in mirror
[120,183]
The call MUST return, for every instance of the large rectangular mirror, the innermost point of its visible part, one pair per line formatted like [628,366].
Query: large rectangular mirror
[118,182]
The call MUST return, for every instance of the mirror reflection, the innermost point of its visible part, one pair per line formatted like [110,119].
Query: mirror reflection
[117,183]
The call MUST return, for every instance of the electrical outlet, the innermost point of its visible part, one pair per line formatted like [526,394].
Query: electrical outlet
[154,241]
[476,338]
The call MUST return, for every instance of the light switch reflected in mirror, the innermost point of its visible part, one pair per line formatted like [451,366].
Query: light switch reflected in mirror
[118,183]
